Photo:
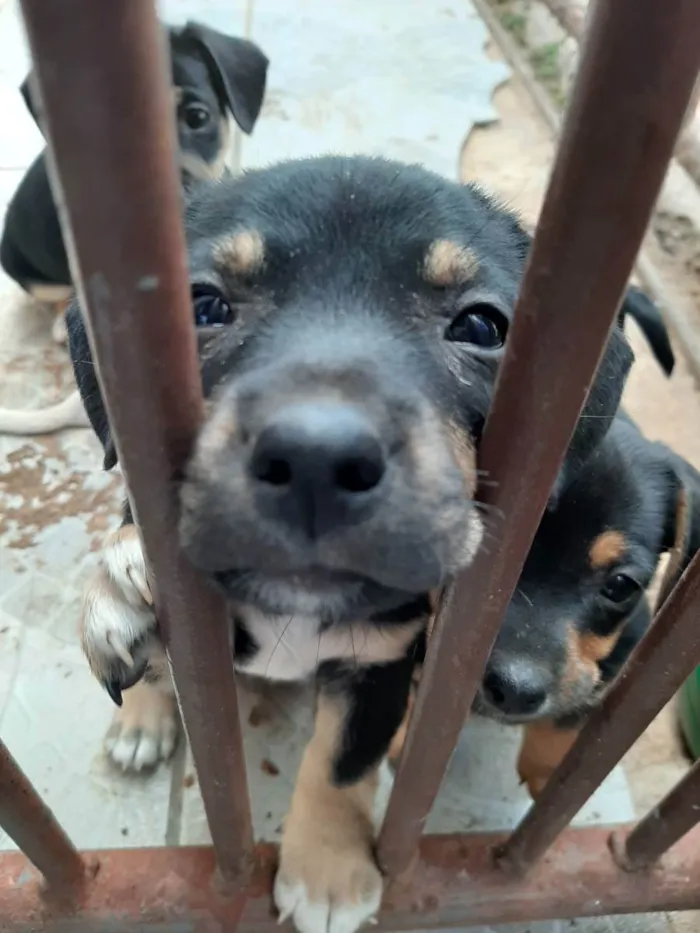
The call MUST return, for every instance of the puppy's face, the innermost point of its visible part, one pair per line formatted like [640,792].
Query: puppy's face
[201,120]
[356,312]
[580,607]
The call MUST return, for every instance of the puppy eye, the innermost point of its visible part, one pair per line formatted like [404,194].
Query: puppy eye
[619,588]
[480,325]
[196,116]
[210,309]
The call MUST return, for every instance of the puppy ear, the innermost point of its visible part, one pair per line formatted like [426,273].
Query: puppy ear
[27,93]
[88,386]
[682,531]
[598,413]
[238,70]
[642,309]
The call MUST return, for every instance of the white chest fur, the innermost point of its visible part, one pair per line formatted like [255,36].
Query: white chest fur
[292,648]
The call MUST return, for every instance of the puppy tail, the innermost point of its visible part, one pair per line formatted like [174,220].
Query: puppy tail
[69,413]
[643,310]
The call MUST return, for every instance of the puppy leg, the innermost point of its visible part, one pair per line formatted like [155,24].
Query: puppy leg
[543,748]
[328,881]
[119,637]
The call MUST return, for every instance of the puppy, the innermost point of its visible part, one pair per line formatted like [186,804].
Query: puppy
[213,75]
[352,315]
[580,606]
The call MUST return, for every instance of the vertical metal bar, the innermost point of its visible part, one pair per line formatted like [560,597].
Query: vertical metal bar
[28,821]
[657,668]
[662,827]
[637,72]
[119,193]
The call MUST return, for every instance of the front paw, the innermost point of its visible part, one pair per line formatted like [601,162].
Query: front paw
[118,625]
[327,880]
[144,730]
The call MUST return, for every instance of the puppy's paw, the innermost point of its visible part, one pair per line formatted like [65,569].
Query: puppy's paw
[326,883]
[118,625]
[144,730]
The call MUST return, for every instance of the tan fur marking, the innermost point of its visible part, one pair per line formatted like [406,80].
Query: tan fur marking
[208,171]
[329,831]
[218,431]
[447,263]
[464,454]
[584,650]
[52,294]
[543,748]
[606,549]
[242,254]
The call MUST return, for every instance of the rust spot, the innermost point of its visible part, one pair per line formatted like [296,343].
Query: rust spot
[269,767]
[447,263]
[188,780]
[243,253]
[606,549]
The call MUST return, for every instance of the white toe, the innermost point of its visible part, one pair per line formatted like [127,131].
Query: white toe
[347,918]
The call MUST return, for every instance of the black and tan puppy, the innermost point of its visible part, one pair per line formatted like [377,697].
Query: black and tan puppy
[213,76]
[353,313]
[580,605]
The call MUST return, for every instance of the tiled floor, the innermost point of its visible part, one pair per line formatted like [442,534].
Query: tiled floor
[398,78]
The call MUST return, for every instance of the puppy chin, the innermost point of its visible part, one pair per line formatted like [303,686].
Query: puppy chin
[329,596]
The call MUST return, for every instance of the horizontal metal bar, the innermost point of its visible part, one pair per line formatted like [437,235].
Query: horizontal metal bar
[662,661]
[456,884]
[636,76]
[119,191]
[662,827]
[28,821]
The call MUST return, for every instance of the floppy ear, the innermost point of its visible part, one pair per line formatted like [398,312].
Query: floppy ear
[25,89]
[642,309]
[682,531]
[89,387]
[238,70]
[599,411]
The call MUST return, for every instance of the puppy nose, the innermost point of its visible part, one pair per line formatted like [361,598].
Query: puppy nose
[323,456]
[515,689]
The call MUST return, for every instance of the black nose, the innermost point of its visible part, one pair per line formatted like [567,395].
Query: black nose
[323,457]
[515,689]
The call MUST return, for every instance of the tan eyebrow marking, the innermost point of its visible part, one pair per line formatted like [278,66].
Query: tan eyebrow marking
[242,253]
[447,263]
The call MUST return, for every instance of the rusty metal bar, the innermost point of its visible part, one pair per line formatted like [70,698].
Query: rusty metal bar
[456,884]
[120,200]
[660,664]
[637,73]
[28,821]
[662,827]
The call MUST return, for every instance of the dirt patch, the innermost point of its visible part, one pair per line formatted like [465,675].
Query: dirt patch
[36,492]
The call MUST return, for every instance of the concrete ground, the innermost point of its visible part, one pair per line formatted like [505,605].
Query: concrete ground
[56,504]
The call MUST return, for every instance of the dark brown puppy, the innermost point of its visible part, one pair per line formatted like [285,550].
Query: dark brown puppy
[353,313]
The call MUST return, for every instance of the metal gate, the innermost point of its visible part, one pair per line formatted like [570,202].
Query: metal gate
[639,64]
